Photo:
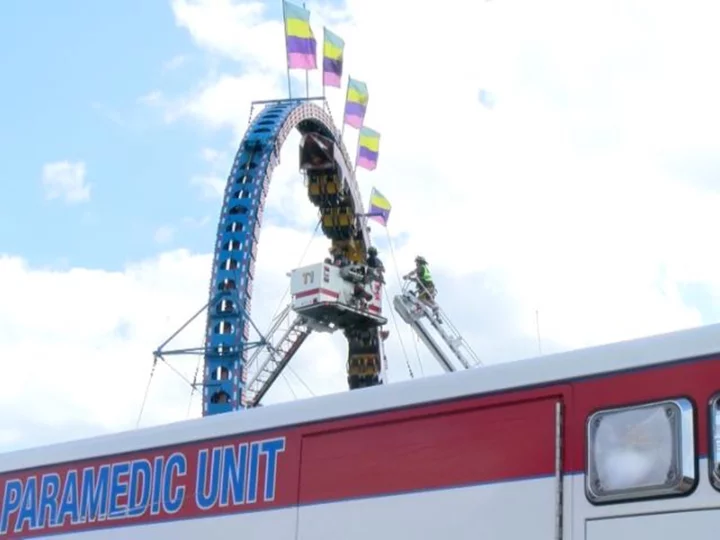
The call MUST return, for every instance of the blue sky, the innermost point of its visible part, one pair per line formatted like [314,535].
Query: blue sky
[77,70]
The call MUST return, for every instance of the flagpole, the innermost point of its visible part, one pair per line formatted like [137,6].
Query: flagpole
[287,52]
[323,61]
[357,155]
[347,93]
[307,71]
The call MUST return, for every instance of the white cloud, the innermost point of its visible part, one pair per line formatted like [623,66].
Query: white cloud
[110,113]
[211,187]
[588,192]
[226,102]
[164,234]
[65,180]
[174,63]
[152,98]
[93,347]
[212,184]
[214,25]
[211,155]
[93,344]
[196,223]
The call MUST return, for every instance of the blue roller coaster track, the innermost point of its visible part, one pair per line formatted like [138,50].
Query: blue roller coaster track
[228,328]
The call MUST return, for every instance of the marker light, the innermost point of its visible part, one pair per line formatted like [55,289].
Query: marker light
[641,452]
[715,441]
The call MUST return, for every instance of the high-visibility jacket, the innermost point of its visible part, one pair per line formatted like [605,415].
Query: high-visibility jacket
[424,274]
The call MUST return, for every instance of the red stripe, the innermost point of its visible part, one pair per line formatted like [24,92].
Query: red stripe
[391,451]
[313,292]
[331,294]
[698,380]
[446,449]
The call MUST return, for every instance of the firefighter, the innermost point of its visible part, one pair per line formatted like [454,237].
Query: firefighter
[425,286]
[422,276]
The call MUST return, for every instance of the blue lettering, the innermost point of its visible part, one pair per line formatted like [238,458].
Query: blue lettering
[176,467]
[157,482]
[28,507]
[49,491]
[234,475]
[10,503]
[70,499]
[206,496]
[225,476]
[252,483]
[118,490]
[94,493]
[271,448]
[140,487]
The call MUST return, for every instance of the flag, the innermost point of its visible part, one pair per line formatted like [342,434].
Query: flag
[368,148]
[379,207]
[299,39]
[355,103]
[333,48]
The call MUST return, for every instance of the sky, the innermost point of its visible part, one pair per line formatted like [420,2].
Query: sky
[586,194]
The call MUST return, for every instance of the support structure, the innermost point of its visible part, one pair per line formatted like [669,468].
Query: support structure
[162,352]
[236,248]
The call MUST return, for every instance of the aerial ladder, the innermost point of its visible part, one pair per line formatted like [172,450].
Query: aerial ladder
[428,320]
[292,330]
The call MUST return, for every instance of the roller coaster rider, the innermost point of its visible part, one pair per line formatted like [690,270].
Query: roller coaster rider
[375,264]
[377,268]
[337,257]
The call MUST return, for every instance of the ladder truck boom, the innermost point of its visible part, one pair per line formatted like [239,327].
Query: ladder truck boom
[405,308]
[278,357]
[424,320]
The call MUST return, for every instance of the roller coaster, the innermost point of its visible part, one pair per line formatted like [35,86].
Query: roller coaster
[341,293]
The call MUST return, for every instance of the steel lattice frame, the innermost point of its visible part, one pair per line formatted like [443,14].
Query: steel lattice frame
[227,337]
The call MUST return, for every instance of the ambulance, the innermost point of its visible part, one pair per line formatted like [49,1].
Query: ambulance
[616,442]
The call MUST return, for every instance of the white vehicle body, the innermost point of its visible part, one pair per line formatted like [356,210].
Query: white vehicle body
[499,452]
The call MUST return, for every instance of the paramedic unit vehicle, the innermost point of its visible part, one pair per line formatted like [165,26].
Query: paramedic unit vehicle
[609,443]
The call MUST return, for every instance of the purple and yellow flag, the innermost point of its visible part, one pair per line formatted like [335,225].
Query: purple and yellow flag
[356,103]
[299,39]
[333,49]
[368,148]
[379,207]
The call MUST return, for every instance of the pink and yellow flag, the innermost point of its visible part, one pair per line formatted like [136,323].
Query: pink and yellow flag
[299,39]
[333,50]
[379,207]
[368,149]
[356,103]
